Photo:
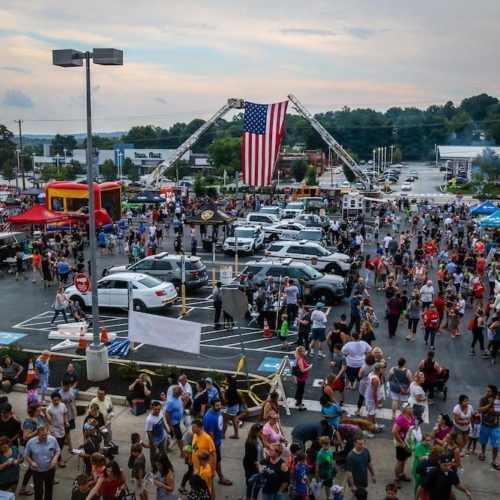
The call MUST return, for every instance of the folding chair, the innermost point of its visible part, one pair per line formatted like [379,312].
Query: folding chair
[254,314]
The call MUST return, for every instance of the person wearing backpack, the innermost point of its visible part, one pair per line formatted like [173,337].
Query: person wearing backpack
[476,325]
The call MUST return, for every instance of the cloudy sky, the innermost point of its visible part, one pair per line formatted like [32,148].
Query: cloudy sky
[183,60]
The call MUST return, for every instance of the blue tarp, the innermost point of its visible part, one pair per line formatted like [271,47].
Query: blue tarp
[492,221]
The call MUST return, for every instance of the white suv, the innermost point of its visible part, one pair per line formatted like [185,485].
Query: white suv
[250,239]
[312,253]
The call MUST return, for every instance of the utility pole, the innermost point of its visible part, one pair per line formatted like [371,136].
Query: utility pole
[21,157]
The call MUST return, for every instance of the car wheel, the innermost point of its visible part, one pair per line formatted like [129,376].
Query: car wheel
[273,237]
[78,300]
[330,268]
[139,306]
[325,296]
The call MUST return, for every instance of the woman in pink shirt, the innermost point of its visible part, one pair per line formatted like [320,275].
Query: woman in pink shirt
[304,367]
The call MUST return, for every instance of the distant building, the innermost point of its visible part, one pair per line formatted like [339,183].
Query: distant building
[316,158]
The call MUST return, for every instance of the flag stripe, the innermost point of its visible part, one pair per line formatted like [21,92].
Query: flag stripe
[262,134]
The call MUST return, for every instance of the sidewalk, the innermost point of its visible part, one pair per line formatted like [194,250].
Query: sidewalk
[479,477]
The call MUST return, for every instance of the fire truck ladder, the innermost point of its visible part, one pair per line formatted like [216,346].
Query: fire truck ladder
[339,150]
[157,174]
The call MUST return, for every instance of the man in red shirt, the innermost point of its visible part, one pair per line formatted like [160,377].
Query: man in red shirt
[440,308]
[431,321]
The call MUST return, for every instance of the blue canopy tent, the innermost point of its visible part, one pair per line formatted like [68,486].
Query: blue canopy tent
[486,208]
[491,222]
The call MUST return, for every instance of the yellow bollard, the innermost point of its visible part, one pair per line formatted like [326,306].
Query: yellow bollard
[236,263]
[213,278]
[132,346]
[183,295]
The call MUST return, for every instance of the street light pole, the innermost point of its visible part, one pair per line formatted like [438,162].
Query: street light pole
[385,156]
[97,353]
[18,168]
[57,161]
[120,162]
[65,157]
[392,153]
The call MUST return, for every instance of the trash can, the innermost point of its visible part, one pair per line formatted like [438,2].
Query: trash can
[226,274]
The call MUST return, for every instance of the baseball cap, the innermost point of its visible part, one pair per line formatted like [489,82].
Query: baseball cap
[88,427]
[209,379]
[445,459]
[336,489]
[319,305]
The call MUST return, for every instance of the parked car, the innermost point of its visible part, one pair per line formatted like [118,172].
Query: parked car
[326,288]
[293,209]
[185,183]
[250,240]
[312,253]
[314,234]
[409,178]
[167,267]
[149,294]
[10,243]
[258,219]
[345,185]
[284,230]
[459,181]
[277,211]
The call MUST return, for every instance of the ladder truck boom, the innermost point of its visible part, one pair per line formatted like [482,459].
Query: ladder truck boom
[341,152]
[157,174]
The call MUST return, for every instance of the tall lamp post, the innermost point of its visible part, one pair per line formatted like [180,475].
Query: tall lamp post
[57,161]
[18,154]
[97,353]
[392,152]
[120,162]
[65,151]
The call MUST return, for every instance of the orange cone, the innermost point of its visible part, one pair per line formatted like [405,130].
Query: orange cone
[104,334]
[30,376]
[267,331]
[82,345]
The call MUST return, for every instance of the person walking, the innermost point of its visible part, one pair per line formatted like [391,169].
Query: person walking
[431,322]
[174,411]
[489,429]
[400,431]
[304,368]
[57,417]
[414,315]
[59,306]
[304,328]
[155,430]
[354,352]
[217,301]
[20,266]
[318,332]
[431,370]
[394,310]
[355,313]
[357,465]
[42,372]
[42,453]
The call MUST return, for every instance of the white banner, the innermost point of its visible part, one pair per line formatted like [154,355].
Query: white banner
[170,333]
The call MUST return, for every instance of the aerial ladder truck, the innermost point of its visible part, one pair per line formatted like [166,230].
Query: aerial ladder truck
[158,173]
[334,145]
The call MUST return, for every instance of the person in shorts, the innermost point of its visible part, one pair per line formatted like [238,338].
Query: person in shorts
[318,332]
[490,429]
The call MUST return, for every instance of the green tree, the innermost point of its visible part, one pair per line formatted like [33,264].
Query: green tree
[101,142]
[142,136]
[7,145]
[397,156]
[130,170]
[49,173]
[311,175]
[225,154]
[70,172]
[489,161]
[77,167]
[199,186]
[108,170]
[478,106]
[492,124]
[478,182]
[9,170]
[299,169]
[59,142]
[349,174]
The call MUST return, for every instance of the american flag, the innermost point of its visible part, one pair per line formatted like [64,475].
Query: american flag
[262,133]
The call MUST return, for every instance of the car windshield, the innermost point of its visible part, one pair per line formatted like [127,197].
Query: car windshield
[244,233]
[309,235]
[314,274]
[150,282]
[294,206]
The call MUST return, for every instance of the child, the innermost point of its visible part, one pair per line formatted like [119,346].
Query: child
[81,490]
[205,470]
[299,478]
[453,322]
[139,470]
[337,492]
[292,462]
[339,367]
[199,489]
[390,492]
[324,464]
[284,331]
[474,429]
[406,274]
[98,464]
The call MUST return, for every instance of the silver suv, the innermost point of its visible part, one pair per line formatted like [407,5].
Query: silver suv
[326,288]
[167,267]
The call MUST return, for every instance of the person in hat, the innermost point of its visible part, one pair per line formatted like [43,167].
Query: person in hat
[440,481]
[318,332]
[211,389]
[337,492]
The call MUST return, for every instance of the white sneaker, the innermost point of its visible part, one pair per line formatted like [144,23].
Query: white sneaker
[311,354]
[321,355]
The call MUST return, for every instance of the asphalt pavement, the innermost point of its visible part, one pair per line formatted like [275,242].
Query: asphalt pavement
[25,312]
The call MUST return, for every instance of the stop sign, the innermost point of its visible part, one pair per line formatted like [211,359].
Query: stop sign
[132,188]
[459,196]
[82,283]
[287,190]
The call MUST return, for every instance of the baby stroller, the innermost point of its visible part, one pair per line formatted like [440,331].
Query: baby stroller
[368,314]
[441,386]
[77,313]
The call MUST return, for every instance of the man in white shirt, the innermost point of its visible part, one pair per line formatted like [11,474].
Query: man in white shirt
[387,240]
[318,332]
[187,391]
[57,417]
[427,295]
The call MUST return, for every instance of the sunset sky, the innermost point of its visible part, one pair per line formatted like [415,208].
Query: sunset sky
[183,60]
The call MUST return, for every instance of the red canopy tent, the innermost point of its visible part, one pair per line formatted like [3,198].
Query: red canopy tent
[37,215]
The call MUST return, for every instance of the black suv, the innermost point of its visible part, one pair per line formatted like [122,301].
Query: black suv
[326,288]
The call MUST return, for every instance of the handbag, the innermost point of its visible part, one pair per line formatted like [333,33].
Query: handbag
[127,495]
[296,370]
[404,391]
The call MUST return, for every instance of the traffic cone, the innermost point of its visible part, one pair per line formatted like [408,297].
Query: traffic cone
[82,345]
[30,376]
[267,332]
[104,334]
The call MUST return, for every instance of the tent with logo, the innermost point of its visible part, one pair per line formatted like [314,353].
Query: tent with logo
[37,214]
[491,222]
[486,208]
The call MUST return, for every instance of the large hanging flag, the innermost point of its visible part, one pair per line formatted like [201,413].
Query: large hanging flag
[262,133]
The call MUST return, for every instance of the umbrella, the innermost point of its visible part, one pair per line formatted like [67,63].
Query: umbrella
[33,192]
[146,197]
[211,215]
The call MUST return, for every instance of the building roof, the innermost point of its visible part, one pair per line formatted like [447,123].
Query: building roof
[463,152]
